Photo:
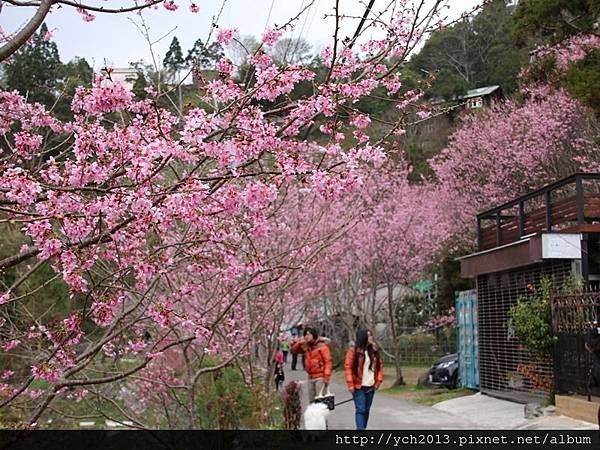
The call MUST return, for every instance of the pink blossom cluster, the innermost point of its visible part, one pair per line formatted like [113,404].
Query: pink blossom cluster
[104,97]
[271,36]
[511,148]
[170,5]
[393,230]
[443,320]
[86,15]
[46,372]
[574,49]
[226,35]
[225,66]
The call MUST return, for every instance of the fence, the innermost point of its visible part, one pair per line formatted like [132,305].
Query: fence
[506,367]
[423,348]
[572,317]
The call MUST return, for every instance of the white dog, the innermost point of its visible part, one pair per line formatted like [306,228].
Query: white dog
[315,416]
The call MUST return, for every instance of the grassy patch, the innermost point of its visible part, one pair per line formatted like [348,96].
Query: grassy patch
[412,390]
[410,374]
[425,395]
[406,389]
[416,393]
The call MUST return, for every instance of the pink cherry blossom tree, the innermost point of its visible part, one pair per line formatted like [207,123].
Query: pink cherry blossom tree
[513,147]
[399,229]
[169,231]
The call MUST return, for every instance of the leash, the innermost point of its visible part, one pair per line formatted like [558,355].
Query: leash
[344,401]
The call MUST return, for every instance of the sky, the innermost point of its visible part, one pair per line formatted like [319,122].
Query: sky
[116,39]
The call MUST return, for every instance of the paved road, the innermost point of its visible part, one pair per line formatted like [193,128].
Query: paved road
[473,412]
[387,412]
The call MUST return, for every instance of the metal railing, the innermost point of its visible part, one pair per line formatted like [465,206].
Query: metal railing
[546,195]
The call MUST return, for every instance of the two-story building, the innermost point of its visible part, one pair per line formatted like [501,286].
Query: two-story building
[552,232]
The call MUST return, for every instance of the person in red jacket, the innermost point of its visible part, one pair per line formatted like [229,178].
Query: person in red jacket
[279,374]
[317,359]
[363,369]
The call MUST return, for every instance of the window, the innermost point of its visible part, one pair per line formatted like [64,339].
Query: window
[475,102]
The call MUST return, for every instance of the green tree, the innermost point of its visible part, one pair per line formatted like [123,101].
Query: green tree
[474,52]
[35,69]
[76,72]
[204,57]
[447,85]
[501,59]
[531,320]
[174,61]
[139,86]
[451,49]
[582,80]
[551,21]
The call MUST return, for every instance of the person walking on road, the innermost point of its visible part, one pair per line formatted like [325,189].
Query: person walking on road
[363,370]
[285,348]
[295,339]
[317,360]
[279,374]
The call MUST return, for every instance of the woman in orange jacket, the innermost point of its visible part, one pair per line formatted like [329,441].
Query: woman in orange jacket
[363,369]
[317,357]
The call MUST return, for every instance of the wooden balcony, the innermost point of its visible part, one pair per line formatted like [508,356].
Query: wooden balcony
[571,204]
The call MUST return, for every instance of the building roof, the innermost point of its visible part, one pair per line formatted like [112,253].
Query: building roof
[120,70]
[423,286]
[480,92]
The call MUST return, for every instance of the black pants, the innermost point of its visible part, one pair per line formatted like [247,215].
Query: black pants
[595,383]
[294,360]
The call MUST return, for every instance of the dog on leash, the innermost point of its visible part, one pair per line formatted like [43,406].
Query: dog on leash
[315,416]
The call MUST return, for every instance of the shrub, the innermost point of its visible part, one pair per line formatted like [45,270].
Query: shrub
[292,409]
[531,320]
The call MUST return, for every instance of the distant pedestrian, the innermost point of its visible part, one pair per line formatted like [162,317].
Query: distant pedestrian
[294,355]
[363,369]
[285,348]
[278,356]
[279,374]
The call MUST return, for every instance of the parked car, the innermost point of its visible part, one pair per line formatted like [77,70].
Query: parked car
[444,372]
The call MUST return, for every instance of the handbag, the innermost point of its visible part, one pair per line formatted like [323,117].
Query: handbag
[326,397]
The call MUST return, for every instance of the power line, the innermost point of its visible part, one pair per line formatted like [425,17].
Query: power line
[287,47]
[362,23]
[302,29]
[269,15]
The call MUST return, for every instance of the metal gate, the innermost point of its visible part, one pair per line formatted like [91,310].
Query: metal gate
[505,364]
[572,318]
[468,353]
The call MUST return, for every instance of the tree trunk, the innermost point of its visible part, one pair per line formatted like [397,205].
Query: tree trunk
[399,381]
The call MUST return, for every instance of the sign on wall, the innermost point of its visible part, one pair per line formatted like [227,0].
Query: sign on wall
[561,246]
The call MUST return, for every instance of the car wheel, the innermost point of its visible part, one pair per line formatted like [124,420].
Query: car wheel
[454,381]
